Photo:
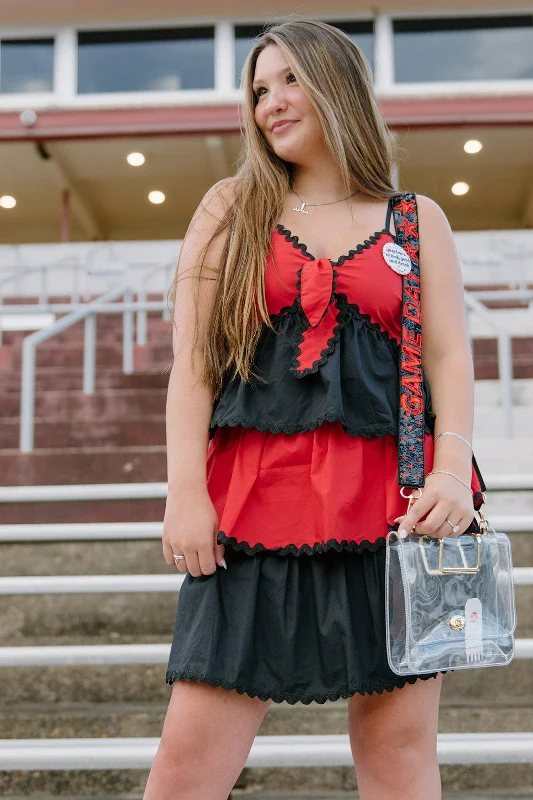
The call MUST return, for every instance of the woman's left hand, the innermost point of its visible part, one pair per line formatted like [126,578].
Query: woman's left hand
[445,504]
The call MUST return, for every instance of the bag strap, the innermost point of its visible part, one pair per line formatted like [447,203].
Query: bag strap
[411,418]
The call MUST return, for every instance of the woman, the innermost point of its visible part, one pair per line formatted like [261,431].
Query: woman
[287,356]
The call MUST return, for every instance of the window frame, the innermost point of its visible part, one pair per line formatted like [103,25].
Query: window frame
[27,34]
[65,95]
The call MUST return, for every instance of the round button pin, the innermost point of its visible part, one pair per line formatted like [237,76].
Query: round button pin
[397,258]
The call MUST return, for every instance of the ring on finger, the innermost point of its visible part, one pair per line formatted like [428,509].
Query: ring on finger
[454,528]
[177,558]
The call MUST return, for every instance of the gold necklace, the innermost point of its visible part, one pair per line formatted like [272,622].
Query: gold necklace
[304,204]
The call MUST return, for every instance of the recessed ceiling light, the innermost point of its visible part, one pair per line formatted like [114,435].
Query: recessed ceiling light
[135,159]
[6,201]
[460,188]
[472,146]
[156,197]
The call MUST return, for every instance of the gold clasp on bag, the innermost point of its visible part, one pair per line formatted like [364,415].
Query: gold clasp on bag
[442,570]
[410,497]
[457,622]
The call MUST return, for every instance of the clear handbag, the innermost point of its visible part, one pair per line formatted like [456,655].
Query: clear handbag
[449,602]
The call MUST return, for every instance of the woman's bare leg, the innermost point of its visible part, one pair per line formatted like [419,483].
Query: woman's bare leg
[206,738]
[393,737]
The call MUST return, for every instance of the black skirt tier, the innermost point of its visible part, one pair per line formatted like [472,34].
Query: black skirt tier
[287,628]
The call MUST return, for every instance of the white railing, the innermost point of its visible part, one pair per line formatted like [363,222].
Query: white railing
[109,584]
[142,315]
[332,750]
[107,654]
[158,490]
[505,358]
[131,531]
[86,312]
[138,753]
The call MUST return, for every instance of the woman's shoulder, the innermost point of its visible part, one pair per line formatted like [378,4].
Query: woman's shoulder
[220,196]
[432,220]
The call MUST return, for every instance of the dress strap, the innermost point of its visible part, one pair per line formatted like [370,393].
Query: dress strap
[389,215]
[412,410]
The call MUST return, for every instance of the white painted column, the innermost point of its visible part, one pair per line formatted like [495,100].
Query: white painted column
[66,65]
[383,54]
[224,57]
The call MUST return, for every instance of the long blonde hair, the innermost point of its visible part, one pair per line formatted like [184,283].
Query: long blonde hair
[337,78]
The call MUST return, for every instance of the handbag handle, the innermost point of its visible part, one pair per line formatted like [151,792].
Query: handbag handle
[411,395]
[411,419]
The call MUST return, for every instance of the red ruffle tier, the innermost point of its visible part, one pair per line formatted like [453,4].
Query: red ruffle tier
[302,491]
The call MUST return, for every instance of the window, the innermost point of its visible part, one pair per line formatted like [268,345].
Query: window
[362,33]
[27,65]
[463,49]
[146,60]
[244,40]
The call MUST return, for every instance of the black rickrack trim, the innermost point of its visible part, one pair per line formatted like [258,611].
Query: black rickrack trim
[365,245]
[297,427]
[294,241]
[377,687]
[372,239]
[373,326]
[304,549]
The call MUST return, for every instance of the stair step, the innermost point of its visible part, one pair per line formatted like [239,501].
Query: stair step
[50,354]
[106,404]
[84,511]
[135,431]
[112,720]
[158,332]
[471,689]
[71,378]
[83,465]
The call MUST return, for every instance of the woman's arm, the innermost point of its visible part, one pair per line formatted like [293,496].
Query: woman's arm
[190,518]
[447,362]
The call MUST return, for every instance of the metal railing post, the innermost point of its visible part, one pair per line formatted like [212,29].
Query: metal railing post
[168,272]
[505,371]
[505,364]
[89,354]
[43,298]
[142,319]
[127,335]
[27,396]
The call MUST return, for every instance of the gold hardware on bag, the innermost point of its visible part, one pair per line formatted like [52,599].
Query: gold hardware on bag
[411,497]
[457,622]
[483,523]
[442,570]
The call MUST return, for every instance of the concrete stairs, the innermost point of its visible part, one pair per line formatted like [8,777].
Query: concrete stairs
[118,436]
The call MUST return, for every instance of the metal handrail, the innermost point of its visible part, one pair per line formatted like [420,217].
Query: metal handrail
[87,312]
[310,750]
[139,531]
[505,358]
[501,294]
[111,584]
[152,653]
[142,317]
[64,308]
[158,489]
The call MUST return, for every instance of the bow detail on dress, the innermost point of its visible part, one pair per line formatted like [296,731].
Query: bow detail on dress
[317,285]
[316,289]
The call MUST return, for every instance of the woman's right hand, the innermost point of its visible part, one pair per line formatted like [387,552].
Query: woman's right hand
[190,528]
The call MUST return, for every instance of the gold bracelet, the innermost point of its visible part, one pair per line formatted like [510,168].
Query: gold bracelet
[445,472]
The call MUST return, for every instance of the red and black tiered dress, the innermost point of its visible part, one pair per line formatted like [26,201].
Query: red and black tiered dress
[302,469]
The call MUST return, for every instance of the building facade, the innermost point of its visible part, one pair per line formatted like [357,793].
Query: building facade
[86,87]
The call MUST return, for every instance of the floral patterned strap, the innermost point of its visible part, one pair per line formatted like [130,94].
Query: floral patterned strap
[411,417]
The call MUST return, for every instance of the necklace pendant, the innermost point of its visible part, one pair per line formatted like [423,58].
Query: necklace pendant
[302,208]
